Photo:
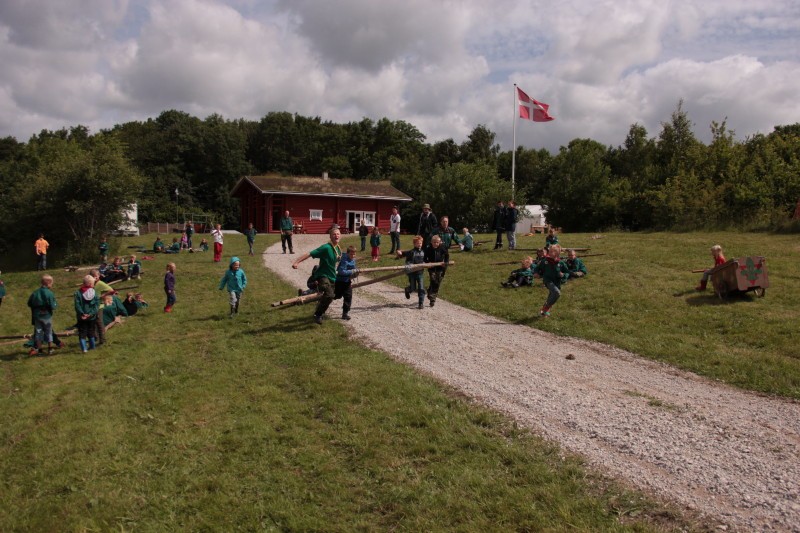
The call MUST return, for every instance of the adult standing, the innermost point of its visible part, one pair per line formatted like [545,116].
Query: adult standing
[394,230]
[427,223]
[41,247]
[189,232]
[512,213]
[329,255]
[363,233]
[498,219]
[287,228]
[216,233]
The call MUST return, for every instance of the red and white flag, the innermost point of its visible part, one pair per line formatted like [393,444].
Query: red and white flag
[531,109]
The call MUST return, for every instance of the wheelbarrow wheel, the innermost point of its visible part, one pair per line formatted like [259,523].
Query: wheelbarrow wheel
[760,292]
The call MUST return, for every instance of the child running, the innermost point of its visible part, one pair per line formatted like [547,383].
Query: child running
[719,259]
[343,287]
[234,281]
[553,272]
[521,276]
[43,304]
[436,252]
[169,287]
[415,256]
[87,306]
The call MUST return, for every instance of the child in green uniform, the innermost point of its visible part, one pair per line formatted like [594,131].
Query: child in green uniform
[103,250]
[203,245]
[87,306]
[551,239]
[134,267]
[42,303]
[554,272]
[329,255]
[467,243]
[521,276]
[2,290]
[250,232]
[158,246]
[575,265]
[416,281]
[234,281]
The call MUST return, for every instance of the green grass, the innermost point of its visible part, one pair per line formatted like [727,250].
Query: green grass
[192,421]
[639,296]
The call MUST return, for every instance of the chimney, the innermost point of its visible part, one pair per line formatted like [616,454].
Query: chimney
[324,175]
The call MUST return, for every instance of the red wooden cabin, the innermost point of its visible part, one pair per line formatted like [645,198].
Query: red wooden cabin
[315,203]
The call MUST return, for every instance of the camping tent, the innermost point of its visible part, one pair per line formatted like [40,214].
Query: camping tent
[533,219]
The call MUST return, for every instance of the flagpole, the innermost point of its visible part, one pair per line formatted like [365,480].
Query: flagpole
[514,146]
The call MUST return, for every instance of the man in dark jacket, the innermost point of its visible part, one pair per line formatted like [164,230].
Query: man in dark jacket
[498,221]
[427,224]
[511,224]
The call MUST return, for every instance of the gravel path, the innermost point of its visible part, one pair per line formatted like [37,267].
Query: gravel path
[729,454]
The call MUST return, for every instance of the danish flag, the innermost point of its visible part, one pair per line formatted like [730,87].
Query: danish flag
[531,109]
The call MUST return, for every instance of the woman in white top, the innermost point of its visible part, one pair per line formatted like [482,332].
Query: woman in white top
[394,230]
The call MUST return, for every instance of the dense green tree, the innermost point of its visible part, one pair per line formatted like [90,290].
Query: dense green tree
[76,191]
[579,196]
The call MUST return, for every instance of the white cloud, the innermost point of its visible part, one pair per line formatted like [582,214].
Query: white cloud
[443,65]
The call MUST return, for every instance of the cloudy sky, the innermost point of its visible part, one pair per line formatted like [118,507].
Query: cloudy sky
[444,66]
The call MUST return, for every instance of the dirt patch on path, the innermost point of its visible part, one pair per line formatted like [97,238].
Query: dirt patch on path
[727,453]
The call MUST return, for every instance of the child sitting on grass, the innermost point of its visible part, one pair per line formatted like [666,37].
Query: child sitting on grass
[551,239]
[467,241]
[203,245]
[521,276]
[158,246]
[719,259]
[2,290]
[575,265]
[134,267]
[113,310]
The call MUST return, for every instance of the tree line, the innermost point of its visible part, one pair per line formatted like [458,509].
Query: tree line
[71,184]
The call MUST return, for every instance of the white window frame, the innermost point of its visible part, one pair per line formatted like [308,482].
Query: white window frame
[315,214]
[369,218]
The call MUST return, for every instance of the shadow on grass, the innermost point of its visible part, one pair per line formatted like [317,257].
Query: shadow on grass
[712,299]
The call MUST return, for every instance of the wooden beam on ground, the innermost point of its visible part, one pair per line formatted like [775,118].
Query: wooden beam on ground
[314,297]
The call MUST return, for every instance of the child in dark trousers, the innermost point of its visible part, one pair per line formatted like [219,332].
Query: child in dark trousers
[343,286]
[436,253]
[415,256]
[87,306]
[169,287]
[43,304]
[553,272]
[521,276]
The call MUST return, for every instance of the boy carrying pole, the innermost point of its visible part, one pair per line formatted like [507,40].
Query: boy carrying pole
[328,254]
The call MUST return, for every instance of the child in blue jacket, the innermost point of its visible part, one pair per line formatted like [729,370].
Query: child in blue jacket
[234,281]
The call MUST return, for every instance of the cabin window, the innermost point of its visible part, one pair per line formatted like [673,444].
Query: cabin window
[315,214]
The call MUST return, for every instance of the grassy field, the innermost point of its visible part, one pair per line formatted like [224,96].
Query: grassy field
[192,421]
[639,296]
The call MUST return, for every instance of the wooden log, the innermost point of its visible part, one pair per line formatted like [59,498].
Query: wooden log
[591,255]
[402,267]
[27,336]
[695,271]
[563,249]
[314,297]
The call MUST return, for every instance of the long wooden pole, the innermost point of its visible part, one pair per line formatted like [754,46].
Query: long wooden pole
[413,268]
[316,296]
[563,249]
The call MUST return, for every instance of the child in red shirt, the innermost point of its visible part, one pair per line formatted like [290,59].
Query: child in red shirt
[719,259]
